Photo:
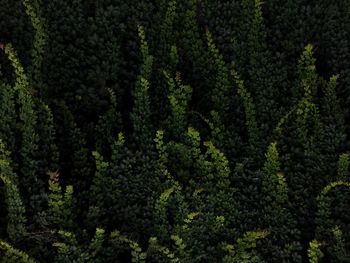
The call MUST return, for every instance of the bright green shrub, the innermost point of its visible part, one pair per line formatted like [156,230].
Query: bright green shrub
[314,252]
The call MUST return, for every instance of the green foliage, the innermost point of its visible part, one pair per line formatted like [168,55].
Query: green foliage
[338,249]
[155,247]
[179,97]
[221,91]
[29,137]
[326,230]
[272,164]
[16,221]
[8,116]
[141,112]
[274,181]
[108,125]
[343,166]
[60,204]
[10,254]
[161,140]
[244,249]
[34,11]
[137,256]
[69,250]
[166,37]
[281,241]
[48,152]
[306,108]
[314,253]
[250,115]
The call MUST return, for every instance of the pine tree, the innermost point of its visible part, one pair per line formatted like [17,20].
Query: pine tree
[16,220]
[136,251]
[326,220]
[70,250]
[33,10]
[29,182]
[8,116]
[12,255]
[162,35]
[60,203]
[194,59]
[343,166]
[281,243]
[257,65]
[239,251]
[141,114]
[249,108]
[223,120]
[109,124]
[302,141]
[179,96]
[48,152]
[221,92]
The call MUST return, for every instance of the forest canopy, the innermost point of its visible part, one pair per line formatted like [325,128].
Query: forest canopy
[174,131]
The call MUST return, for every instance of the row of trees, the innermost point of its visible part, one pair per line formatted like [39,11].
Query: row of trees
[174,131]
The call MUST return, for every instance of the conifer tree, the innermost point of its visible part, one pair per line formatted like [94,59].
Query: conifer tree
[333,44]
[97,199]
[166,31]
[326,221]
[48,152]
[338,249]
[251,38]
[60,203]
[343,166]
[108,126]
[221,23]
[29,182]
[202,189]
[306,108]
[250,114]
[240,251]
[16,220]
[8,116]
[212,196]
[141,114]
[332,117]
[166,57]
[75,160]
[302,141]
[163,226]
[12,255]
[222,124]
[70,250]
[136,251]
[155,248]
[195,58]
[33,10]
[221,93]
[179,96]
[287,42]
[257,65]
[127,174]
[281,242]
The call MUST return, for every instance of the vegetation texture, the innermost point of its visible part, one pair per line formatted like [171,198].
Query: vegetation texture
[182,131]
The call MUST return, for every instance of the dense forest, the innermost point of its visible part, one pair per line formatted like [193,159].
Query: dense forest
[174,131]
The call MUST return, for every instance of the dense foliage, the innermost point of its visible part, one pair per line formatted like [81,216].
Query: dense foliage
[174,131]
